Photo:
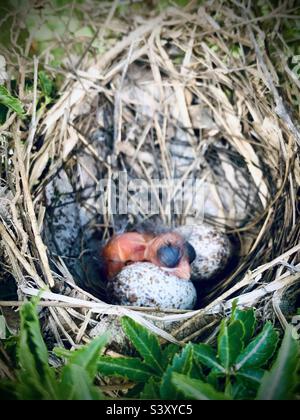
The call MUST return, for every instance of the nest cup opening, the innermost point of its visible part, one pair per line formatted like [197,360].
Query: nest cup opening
[160,133]
[86,200]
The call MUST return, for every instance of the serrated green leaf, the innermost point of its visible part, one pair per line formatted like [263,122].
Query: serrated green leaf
[213,379]
[206,355]
[151,390]
[197,371]
[182,363]
[248,320]
[10,101]
[250,377]
[77,385]
[31,337]
[87,357]
[279,383]
[239,391]
[230,342]
[126,367]
[169,353]
[146,344]
[36,378]
[260,350]
[195,389]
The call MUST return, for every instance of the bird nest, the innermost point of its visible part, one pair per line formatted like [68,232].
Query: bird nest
[175,102]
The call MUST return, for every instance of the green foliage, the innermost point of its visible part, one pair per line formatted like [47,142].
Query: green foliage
[183,364]
[46,84]
[235,370]
[37,380]
[146,344]
[208,357]
[10,102]
[230,342]
[259,350]
[76,384]
[248,320]
[194,389]
[130,368]
[151,390]
[240,366]
[280,381]
[88,356]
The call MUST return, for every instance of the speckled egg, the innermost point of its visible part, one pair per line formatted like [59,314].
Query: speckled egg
[145,284]
[213,250]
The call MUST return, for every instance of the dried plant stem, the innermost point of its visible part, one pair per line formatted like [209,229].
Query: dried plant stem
[11,244]
[41,249]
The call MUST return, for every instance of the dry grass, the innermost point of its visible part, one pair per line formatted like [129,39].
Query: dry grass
[177,96]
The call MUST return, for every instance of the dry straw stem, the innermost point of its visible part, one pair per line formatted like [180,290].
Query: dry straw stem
[41,249]
[187,93]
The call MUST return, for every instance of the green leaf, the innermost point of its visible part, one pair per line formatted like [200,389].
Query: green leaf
[230,342]
[213,379]
[77,385]
[36,378]
[11,102]
[182,363]
[197,371]
[260,350]
[169,353]
[248,320]
[46,84]
[126,367]
[61,352]
[151,390]
[279,383]
[195,389]
[147,344]
[206,355]
[239,391]
[250,376]
[87,357]
[233,309]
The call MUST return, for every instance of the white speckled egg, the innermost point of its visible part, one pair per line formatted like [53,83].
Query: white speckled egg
[213,250]
[145,284]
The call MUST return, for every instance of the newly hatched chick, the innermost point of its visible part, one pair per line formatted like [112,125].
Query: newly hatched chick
[144,269]
[169,251]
